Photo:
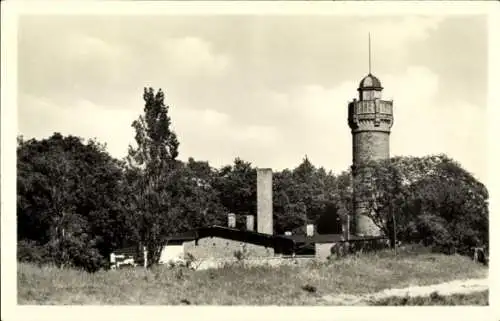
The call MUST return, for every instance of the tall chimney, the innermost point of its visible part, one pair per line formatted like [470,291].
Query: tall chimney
[250,222]
[231,220]
[265,201]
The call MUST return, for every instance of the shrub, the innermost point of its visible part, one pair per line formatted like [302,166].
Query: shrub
[30,251]
[242,254]
[71,253]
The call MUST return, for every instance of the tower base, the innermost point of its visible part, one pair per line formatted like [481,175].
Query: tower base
[364,224]
[366,227]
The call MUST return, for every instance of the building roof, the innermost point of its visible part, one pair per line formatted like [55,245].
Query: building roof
[232,234]
[329,238]
[261,238]
[316,238]
[185,236]
[370,82]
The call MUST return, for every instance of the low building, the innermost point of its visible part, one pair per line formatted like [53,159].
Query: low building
[221,243]
[218,242]
[322,246]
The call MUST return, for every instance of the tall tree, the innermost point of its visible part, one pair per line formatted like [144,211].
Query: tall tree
[381,188]
[155,170]
[428,199]
[344,201]
[69,200]
[316,190]
[236,187]
[305,195]
[452,208]
[196,198]
[288,213]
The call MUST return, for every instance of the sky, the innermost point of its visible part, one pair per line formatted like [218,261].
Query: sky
[267,89]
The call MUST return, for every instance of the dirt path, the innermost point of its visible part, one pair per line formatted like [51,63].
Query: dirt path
[447,288]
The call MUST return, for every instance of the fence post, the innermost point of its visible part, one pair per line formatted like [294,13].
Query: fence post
[112,260]
[394,230]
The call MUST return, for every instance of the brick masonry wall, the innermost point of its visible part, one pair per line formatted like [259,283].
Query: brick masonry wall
[364,224]
[367,146]
[215,248]
[370,145]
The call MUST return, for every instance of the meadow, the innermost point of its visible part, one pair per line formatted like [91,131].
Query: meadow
[238,284]
[477,298]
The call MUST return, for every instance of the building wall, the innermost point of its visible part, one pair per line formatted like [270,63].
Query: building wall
[364,224]
[171,252]
[215,247]
[370,145]
[323,250]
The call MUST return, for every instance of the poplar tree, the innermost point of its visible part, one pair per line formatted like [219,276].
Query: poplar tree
[153,169]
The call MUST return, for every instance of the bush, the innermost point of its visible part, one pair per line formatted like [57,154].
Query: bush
[242,254]
[89,260]
[77,252]
[75,255]
[30,251]
[435,200]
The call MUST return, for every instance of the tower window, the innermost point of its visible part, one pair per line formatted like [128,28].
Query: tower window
[371,95]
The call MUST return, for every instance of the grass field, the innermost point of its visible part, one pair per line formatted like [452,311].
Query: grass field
[478,298]
[239,285]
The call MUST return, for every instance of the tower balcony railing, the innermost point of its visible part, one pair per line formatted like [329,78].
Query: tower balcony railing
[373,115]
[372,107]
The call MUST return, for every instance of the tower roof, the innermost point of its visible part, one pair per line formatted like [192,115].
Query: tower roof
[370,82]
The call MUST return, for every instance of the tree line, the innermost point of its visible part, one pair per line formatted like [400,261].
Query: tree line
[76,203]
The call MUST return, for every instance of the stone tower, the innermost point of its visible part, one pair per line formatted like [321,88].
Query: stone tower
[370,119]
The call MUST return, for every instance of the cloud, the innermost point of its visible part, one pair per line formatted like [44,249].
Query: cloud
[314,124]
[267,89]
[86,46]
[193,57]
[424,124]
[71,66]
[39,117]
[391,37]
[308,119]
[318,123]
[214,135]
[104,66]
[260,134]
[401,30]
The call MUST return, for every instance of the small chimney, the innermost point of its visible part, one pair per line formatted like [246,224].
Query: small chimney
[250,223]
[231,220]
[288,233]
[309,229]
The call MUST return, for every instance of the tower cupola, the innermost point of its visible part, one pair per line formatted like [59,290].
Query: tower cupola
[370,88]
[370,82]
